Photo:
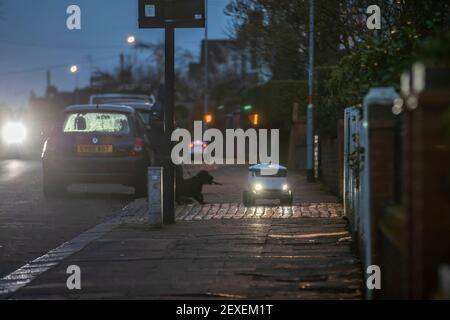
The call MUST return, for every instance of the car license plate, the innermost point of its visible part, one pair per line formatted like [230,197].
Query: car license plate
[95,149]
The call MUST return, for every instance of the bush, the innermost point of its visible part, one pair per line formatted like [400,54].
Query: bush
[376,63]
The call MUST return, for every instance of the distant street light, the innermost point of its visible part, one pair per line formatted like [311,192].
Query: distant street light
[131,40]
[208,118]
[74,69]
[255,119]
[248,108]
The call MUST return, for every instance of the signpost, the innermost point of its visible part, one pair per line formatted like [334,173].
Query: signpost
[173,13]
[170,14]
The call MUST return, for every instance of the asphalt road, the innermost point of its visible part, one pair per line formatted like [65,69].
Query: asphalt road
[31,225]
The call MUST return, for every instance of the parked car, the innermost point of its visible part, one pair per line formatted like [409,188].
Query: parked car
[97,144]
[263,184]
[144,109]
[120,98]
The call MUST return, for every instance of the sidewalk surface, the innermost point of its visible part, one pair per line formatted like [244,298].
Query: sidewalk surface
[222,250]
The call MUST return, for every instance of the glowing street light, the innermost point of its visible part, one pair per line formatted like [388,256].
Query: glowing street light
[208,118]
[248,108]
[131,40]
[255,119]
[74,69]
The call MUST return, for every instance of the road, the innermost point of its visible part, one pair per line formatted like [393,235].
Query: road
[31,225]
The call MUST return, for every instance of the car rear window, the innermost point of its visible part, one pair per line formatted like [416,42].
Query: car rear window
[98,122]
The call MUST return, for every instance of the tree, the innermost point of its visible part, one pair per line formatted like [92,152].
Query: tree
[414,32]
[278,29]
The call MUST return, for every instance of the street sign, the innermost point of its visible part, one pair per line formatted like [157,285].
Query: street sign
[171,13]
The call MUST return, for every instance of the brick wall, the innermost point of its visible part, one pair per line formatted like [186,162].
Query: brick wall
[332,161]
[297,146]
[426,197]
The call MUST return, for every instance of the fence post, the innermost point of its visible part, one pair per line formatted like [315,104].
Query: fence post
[426,193]
[377,177]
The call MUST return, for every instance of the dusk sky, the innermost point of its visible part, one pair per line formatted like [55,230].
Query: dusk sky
[34,39]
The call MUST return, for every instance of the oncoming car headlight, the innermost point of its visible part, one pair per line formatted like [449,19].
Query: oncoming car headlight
[258,187]
[286,187]
[14,133]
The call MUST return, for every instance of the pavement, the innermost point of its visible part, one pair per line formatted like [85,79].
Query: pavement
[222,250]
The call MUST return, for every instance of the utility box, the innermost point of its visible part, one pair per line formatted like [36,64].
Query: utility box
[173,13]
[155,196]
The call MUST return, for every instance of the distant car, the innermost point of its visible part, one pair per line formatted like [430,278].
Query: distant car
[197,147]
[14,140]
[270,187]
[144,109]
[120,98]
[97,144]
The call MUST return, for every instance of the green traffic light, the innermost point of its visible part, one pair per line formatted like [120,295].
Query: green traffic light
[248,108]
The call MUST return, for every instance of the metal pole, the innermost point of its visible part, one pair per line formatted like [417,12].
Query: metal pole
[169,170]
[206,101]
[310,113]
[77,98]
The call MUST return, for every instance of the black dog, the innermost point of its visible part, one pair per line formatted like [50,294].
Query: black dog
[192,187]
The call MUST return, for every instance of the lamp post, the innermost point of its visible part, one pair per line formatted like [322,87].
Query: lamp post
[74,70]
[206,101]
[132,41]
[310,113]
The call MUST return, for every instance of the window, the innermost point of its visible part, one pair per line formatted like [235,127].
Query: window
[115,123]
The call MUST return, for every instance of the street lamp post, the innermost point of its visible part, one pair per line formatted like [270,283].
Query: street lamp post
[310,112]
[206,101]
[132,41]
[74,70]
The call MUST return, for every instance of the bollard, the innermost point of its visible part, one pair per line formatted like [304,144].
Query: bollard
[155,196]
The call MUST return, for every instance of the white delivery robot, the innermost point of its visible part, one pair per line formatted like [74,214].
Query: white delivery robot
[267,181]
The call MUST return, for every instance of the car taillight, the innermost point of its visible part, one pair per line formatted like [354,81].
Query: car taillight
[138,147]
[205,146]
[191,146]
